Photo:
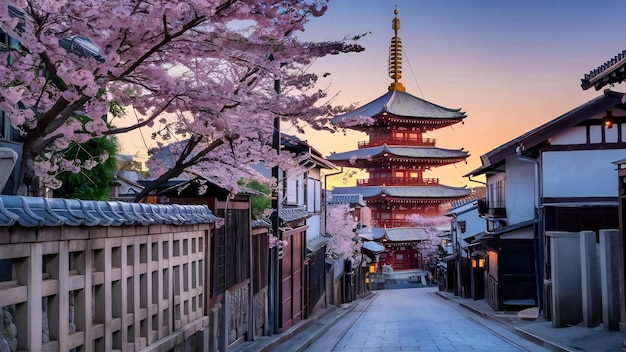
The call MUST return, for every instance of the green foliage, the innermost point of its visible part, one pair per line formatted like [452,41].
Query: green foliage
[259,203]
[94,184]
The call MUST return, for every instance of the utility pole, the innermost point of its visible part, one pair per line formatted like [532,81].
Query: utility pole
[275,271]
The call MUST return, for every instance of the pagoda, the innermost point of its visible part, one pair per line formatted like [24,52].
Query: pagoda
[396,157]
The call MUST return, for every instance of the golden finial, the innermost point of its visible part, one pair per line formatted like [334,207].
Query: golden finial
[395,55]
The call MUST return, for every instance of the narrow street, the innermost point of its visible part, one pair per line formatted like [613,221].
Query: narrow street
[416,319]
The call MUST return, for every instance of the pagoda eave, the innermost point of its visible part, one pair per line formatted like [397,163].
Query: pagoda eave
[377,163]
[410,123]
[410,200]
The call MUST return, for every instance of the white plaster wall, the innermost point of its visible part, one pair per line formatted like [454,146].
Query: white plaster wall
[610,135]
[520,190]
[573,135]
[525,233]
[595,134]
[314,229]
[583,173]
[473,223]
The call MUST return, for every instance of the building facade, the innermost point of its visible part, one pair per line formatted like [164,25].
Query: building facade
[544,189]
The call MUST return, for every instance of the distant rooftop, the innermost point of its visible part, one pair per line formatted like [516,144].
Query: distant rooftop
[352,199]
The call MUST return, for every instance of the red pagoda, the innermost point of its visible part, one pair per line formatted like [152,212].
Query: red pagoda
[396,157]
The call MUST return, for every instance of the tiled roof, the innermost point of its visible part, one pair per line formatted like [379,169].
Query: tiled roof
[39,211]
[611,72]
[261,223]
[404,152]
[373,246]
[347,199]
[378,233]
[292,214]
[455,204]
[593,109]
[316,243]
[402,104]
[401,234]
[439,191]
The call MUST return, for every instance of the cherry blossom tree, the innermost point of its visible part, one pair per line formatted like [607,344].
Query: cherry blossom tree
[433,226]
[203,74]
[343,241]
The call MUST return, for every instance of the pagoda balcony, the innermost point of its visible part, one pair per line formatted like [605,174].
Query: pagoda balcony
[397,181]
[422,142]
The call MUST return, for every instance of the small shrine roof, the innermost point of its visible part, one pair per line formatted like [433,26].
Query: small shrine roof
[406,152]
[373,247]
[405,234]
[439,191]
[401,104]
[377,232]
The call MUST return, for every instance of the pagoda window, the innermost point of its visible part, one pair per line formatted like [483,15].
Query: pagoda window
[385,216]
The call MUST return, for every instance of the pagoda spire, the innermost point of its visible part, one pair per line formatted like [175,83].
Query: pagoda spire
[395,56]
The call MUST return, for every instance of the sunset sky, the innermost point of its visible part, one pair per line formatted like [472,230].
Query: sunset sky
[510,65]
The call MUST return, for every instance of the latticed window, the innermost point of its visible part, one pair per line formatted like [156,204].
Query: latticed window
[496,194]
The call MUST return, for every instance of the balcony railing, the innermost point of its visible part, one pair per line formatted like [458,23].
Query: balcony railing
[389,223]
[492,209]
[397,181]
[428,142]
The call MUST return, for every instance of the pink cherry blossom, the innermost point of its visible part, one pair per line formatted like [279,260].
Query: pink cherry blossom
[202,74]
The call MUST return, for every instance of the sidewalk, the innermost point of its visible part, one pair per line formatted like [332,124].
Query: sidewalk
[541,332]
[302,335]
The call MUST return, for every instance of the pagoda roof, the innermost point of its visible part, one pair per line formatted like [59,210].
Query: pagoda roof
[424,152]
[438,191]
[401,104]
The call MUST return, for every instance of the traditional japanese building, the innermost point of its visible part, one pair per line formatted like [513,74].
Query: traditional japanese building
[396,157]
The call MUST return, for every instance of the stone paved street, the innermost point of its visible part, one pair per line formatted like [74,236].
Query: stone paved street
[416,319]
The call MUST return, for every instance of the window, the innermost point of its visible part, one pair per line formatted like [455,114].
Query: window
[314,195]
[496,194]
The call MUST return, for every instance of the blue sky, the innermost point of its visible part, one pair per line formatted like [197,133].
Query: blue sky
[511,65]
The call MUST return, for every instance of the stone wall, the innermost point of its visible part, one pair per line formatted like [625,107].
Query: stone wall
[260,312]
[103,288]
[238,313]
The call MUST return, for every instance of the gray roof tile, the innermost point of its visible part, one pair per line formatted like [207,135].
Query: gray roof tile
[39,211]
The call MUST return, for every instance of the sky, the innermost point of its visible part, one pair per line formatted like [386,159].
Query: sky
[510,65]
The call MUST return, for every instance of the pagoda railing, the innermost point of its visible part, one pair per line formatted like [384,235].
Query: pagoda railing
[428,142]
[389,223]
[397,181]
